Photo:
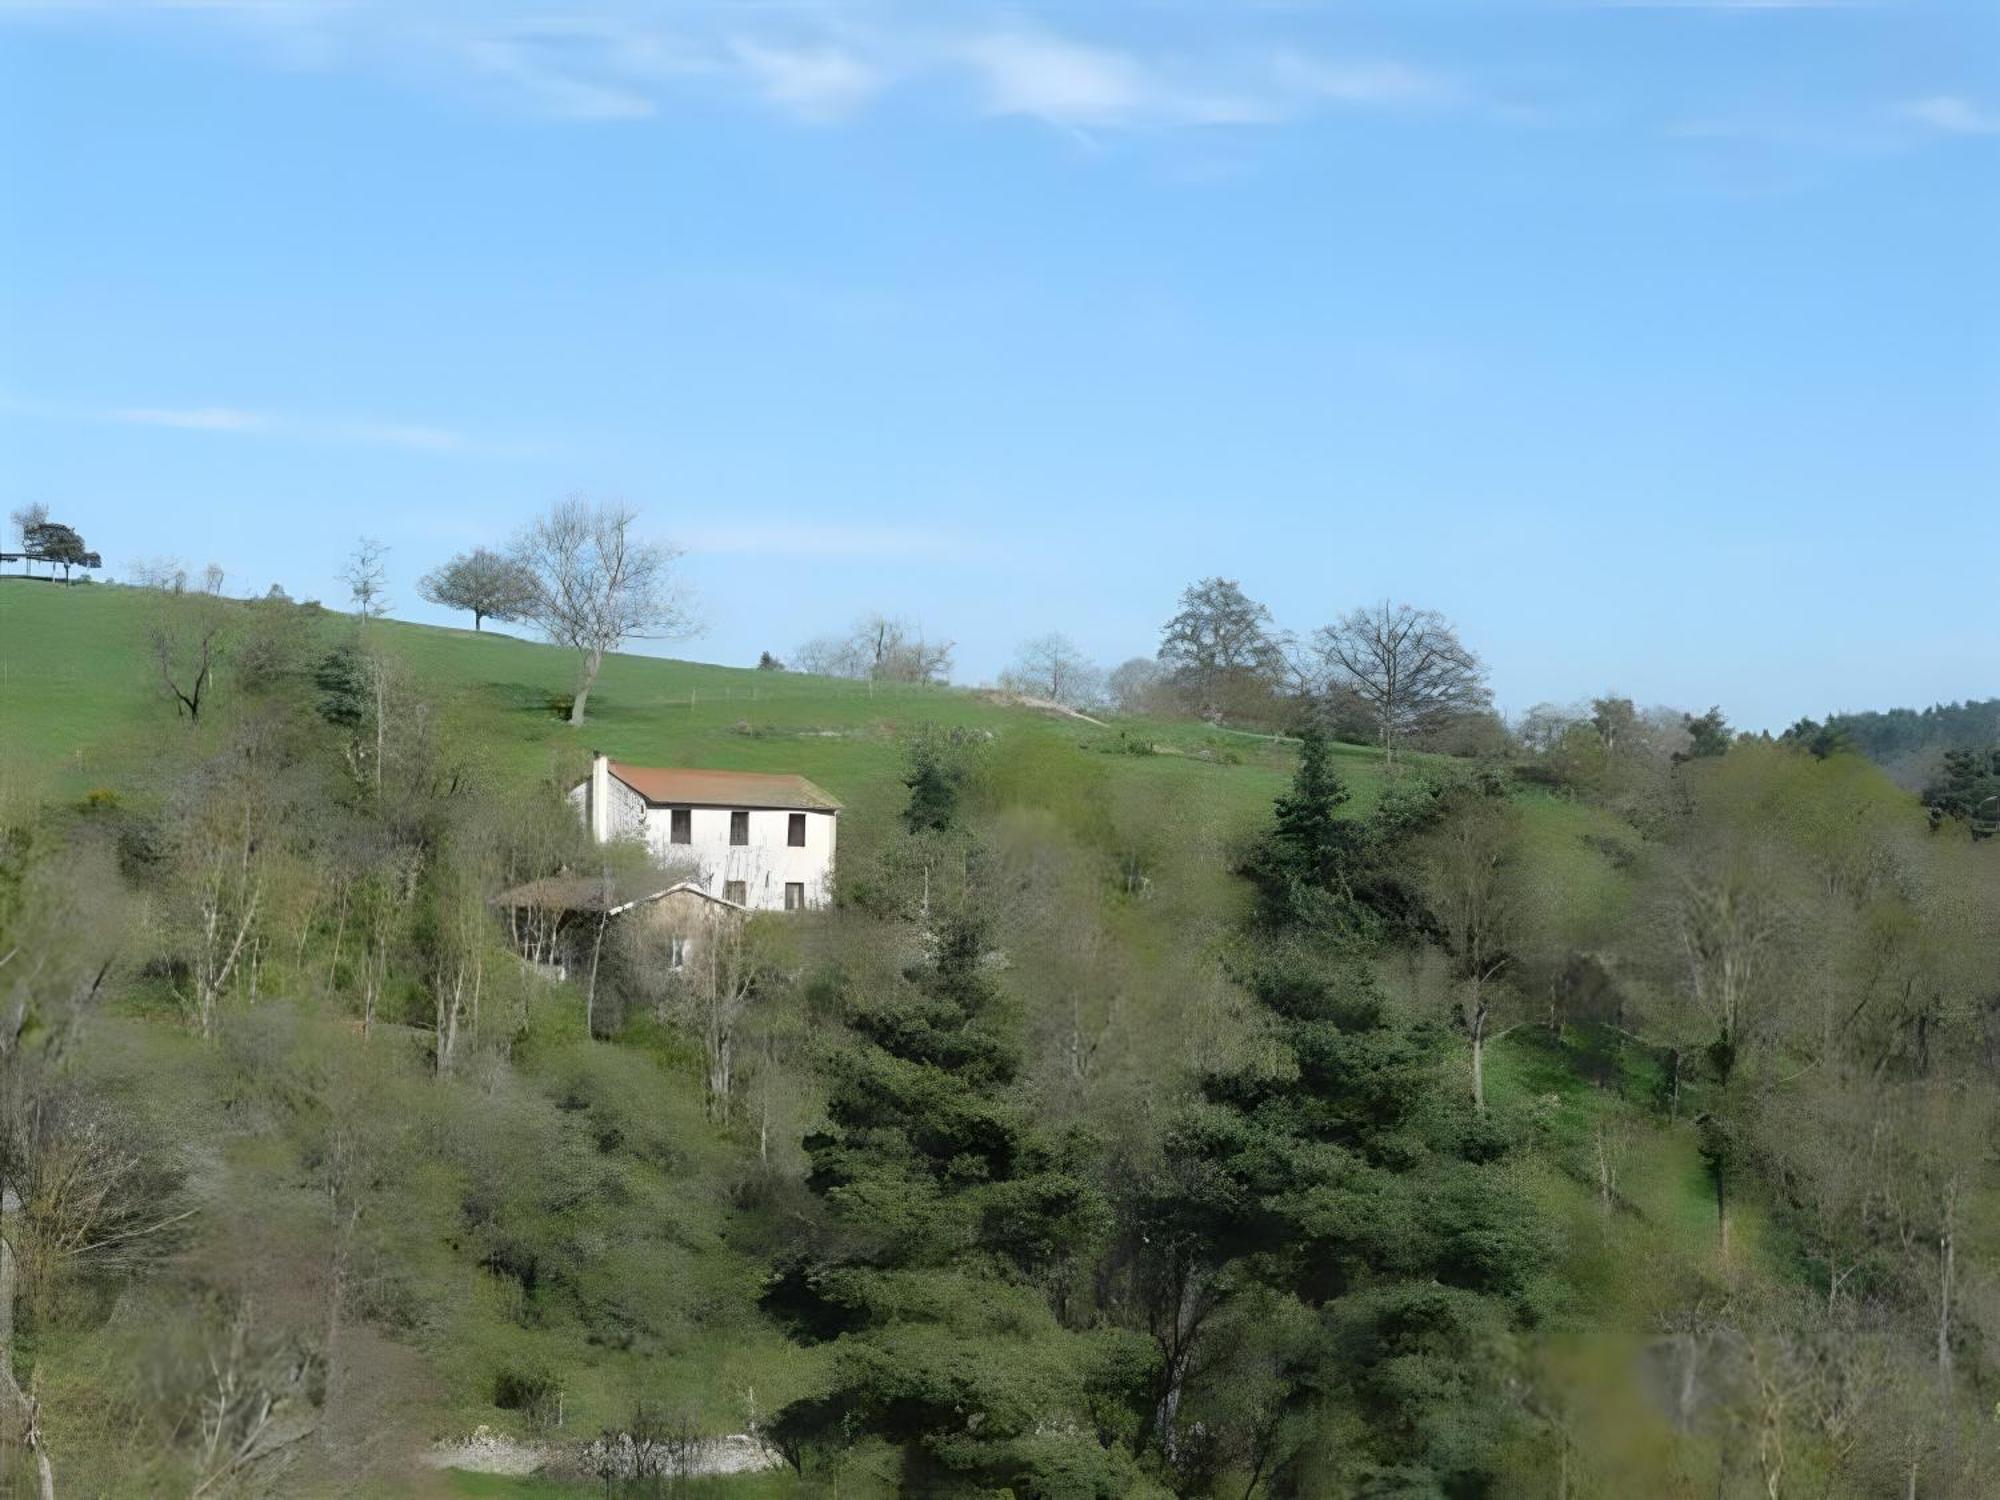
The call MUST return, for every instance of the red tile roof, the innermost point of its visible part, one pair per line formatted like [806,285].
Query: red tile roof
[664,784]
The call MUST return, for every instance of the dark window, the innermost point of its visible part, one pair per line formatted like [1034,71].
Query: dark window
[739,828]
[795,831]
[677,953]
[795,896]
[681,826]
[737,891]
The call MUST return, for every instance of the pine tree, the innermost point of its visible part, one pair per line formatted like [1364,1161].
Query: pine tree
[948,1213]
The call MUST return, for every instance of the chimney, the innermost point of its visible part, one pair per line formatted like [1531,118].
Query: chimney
[600,796]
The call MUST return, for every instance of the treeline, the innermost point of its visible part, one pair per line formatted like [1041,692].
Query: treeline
[1910,742]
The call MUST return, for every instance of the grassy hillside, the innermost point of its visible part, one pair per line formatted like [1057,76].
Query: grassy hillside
[80,703]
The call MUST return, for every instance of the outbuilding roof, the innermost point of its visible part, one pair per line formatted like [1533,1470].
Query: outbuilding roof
[594,893]
[671,784]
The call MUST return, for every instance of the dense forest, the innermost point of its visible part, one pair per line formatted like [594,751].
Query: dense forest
[1283,1080]
[1910,743]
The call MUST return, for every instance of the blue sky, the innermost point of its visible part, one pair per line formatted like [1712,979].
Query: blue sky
[1657,345]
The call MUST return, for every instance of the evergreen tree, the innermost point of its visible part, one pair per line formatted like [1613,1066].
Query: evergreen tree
[1708,735]
[1340,1189]
[938,771]
[1306,867]
[1967,791]
[949,1214]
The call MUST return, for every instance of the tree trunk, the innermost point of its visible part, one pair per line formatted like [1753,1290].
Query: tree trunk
[1722,1215]
[1947,1269]
[16,1405]
[596,952]
[1479,1056]
[1603,1171]
[592,660]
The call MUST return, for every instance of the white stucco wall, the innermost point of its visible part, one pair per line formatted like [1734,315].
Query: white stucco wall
[765,865]
[626,808]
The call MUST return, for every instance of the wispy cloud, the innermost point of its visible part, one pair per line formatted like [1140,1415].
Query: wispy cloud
[817,61]
[1952,115]
[230,419]
[194,419]
[1059,81]
[820,539]
[817,83]
[1367,84]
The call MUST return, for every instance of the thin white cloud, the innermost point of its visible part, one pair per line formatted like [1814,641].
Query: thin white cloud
[387,434]
[194,419]
[819,539]
[1952,115]
[230,419]
[523,66]
[818,61]
[1366,84]
[818,83]
[1057,81]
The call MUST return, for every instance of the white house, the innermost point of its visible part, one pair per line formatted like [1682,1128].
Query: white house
[761,841]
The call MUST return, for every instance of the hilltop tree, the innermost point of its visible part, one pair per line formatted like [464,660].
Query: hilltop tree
[1135,685]
[1220,649]
[367,578]
[488,585]
[1408,665]
[1050,666]
[58,545]
[25,520]
[877,648]
[598,586]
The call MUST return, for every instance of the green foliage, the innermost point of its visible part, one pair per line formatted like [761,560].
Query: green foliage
[948,1213]
[1967,791]
[1708,735]
[941,765]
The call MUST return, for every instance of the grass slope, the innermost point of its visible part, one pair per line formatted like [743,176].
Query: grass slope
[80,703]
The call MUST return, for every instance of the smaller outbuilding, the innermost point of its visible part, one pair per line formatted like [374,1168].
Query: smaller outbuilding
[558,923]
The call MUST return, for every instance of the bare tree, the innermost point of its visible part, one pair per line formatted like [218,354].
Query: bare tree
[1408,665]
[877,648]
[598,586]
[1052,667]
[367,578]
[1468,885]
[27,520]
[1134,686]
[1220,648]
[187,634]
[483,582]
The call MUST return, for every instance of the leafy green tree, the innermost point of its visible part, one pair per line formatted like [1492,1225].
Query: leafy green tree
[58,545]
[483,582]
[1708,735]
